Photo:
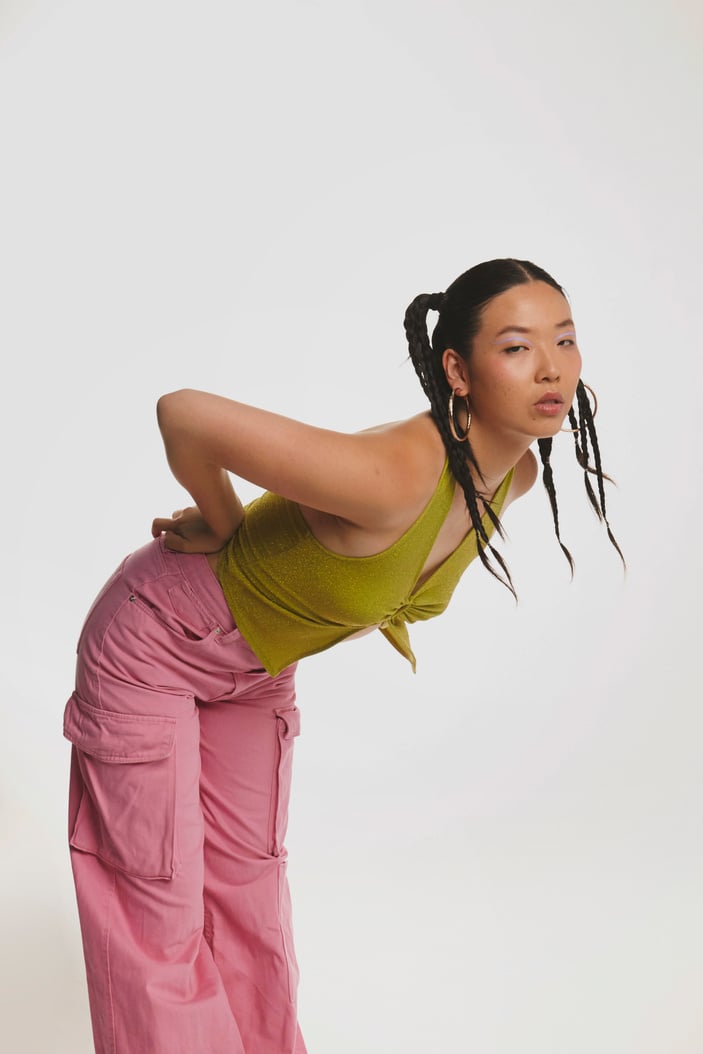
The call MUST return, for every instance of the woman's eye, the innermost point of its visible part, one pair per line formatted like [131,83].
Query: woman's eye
[514,347]
[567,340]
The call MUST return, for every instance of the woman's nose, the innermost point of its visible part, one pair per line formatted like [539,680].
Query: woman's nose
[547,366]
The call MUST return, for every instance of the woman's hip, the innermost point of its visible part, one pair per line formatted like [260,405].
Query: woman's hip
[162,621]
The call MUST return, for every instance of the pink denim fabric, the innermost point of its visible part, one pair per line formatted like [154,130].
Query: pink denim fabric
[180,779]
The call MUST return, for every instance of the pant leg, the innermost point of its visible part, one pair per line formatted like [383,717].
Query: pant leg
[137,827]
[246,753]
[152,984]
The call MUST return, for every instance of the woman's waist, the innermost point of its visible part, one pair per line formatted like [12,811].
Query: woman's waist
[213,559]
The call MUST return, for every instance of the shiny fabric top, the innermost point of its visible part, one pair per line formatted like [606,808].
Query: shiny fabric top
[291,597]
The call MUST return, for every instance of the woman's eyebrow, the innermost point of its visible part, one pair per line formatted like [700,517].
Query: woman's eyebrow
[523,329]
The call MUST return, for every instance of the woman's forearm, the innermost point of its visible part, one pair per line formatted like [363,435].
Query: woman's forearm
[208,484]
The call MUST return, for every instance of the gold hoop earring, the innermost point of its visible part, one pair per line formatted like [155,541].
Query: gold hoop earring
[452,419]
[594,411]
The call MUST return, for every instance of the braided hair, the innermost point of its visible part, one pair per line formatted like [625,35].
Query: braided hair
[460,309]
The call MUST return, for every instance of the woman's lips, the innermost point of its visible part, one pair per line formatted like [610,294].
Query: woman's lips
[551,404]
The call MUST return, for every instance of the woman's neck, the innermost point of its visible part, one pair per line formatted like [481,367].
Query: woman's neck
[495,454]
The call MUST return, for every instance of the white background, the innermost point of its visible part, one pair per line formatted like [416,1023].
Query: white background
[502,853]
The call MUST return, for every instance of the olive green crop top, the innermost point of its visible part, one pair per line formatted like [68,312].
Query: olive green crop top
[291,597]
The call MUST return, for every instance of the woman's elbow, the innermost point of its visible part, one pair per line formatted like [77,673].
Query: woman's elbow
[170,408]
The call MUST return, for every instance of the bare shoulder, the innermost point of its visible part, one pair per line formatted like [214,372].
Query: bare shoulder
[407,457]
[524,477]
[406,460]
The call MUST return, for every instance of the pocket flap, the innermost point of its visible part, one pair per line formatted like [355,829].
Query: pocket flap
[117,738]
[291,721]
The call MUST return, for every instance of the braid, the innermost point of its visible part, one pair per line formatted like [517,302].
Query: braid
[584,430]
[428,367]
[545,450]
[580,431]
[587,428]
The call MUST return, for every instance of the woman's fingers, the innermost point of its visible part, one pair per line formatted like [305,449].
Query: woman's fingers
[184,531]
[175,542]
[162,524]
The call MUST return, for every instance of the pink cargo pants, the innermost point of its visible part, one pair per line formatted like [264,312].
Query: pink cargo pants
[180,778]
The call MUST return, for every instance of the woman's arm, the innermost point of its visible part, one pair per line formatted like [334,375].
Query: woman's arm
[207,483]
[374,478]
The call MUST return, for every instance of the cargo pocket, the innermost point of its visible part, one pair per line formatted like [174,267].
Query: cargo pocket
[126,814]
[287,728]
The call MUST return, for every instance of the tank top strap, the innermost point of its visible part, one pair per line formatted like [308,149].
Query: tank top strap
[426,527]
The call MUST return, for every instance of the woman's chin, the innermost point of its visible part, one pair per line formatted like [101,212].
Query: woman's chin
[550,428]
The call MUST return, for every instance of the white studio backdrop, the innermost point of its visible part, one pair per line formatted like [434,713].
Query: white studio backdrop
[502,853]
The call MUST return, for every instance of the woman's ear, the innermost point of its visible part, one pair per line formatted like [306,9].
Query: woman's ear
[456,372]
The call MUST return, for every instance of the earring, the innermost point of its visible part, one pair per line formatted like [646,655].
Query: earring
[452,419]
[594,411]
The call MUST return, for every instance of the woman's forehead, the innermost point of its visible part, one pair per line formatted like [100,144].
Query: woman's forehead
[531,305]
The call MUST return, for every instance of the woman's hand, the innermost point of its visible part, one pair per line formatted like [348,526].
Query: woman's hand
[187,532]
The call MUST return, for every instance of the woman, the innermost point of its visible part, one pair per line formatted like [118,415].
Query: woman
[184,717]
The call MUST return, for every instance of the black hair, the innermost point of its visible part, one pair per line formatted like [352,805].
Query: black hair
[460,309]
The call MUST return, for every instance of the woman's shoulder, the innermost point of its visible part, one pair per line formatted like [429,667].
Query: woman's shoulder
[414,448]
[404,462]
[405,459]
[420,428]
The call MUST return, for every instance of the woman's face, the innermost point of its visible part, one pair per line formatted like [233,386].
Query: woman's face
[525,363]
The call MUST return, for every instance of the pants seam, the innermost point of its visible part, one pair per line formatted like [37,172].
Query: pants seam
[99,658]
[111,1003]
[286,954]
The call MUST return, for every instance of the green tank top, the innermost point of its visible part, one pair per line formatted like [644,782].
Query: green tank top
[291,597]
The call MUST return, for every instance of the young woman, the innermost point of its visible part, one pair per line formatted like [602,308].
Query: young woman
[183,718]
